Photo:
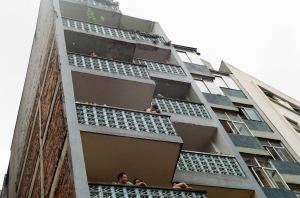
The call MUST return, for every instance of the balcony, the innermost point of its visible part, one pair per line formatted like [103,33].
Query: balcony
[124,119]
[215,173]
[181,107]
[209,163]
[161,67]
[106,4]
[129,141]
[191,121]
[130,191]
[113,32]
[100,80]
[108,65]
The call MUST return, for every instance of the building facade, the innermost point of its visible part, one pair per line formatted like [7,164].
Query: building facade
[92,73]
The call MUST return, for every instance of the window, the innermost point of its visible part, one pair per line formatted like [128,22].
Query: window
[263,171]
[276,150]
[250,114]
[294,124]
[233,123]
[184,57]
[226,82]
[209,87]
[296,189]
[190,57]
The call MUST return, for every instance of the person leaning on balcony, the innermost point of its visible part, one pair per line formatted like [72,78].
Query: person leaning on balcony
[92,53]
[139,182]
[153,109]
[123,179]
[181,185]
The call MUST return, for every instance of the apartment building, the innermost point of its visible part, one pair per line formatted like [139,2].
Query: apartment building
[92,73]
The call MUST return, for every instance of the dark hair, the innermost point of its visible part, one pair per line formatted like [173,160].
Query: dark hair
[154,106]
[136,180]
[120,175]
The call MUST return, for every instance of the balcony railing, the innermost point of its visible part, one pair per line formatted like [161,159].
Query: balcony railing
[113,32]
[108,4]
[209,163]
[114,191]
[124,119]
[106,65]
[160,67]
[181,107]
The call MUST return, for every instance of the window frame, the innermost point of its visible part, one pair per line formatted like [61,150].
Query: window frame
[246,114]
[230,120]
[275,149]
[219,90]
[264,169]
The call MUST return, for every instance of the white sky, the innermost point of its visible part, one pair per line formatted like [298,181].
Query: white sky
[254,35]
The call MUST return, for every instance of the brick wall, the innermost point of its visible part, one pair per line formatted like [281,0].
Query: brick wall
[65,183]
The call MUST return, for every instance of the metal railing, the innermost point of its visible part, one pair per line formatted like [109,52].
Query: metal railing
[161,67]
[107,65]
[124,119]
[209,163]
[181,107]
[116,191]
[113,32]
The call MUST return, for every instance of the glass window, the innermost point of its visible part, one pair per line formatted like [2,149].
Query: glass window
[242,128]
[294,124]
[264,172]
[194,58]
[213,88]
[276,150]
[184,57]
[251,114]
[202,86]
[220,82]
[230,83]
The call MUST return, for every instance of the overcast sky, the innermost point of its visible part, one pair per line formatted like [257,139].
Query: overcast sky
[261,37]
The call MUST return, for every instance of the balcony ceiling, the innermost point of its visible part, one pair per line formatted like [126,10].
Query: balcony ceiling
[107,155]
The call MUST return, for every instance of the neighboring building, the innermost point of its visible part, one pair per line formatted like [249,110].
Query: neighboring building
[92,73]
[283,112]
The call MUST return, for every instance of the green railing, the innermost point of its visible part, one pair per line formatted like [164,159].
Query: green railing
[107,65]
[115,191]
[161,67]
[181,107]
[124,119]
[113,32]
[209,163]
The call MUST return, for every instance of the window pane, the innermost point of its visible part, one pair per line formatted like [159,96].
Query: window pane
[195,58]
[231,84]
[202,86]
[233,128]
[262,177]
[273,153]
[241,127]
[234,116]
[226,126]
[284,154]
[213,88]
[253,115]
[183,56]
[276,178]
[221,115]
[219,81]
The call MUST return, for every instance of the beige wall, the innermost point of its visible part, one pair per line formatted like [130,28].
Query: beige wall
[274,112]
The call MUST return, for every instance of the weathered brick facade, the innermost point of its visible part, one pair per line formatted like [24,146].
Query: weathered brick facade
[55,139]
[49,88]
[50,123]
[65,183]
[36,192]
[30,163]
